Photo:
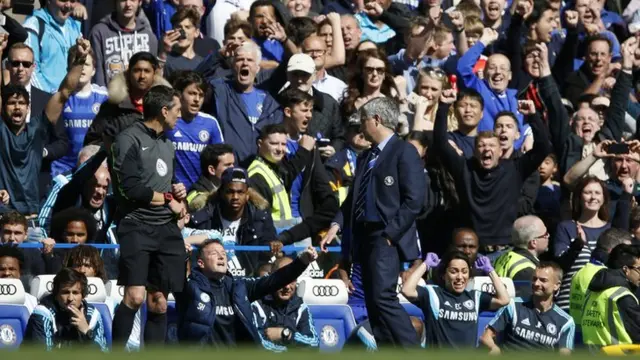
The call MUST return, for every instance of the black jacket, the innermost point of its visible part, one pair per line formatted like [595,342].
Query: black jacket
[57,143]
[627,305]
[256,226]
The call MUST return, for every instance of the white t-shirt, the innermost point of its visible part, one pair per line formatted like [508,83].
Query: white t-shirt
[30,302]
[230,237]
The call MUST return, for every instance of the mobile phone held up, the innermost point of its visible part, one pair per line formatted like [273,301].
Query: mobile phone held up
[323,142]
[618,149]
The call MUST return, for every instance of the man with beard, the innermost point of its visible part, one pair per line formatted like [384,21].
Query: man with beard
[241,215]
[23,143]
[283,318]
[126,92]
[64,319]
[537,323]
[489,187]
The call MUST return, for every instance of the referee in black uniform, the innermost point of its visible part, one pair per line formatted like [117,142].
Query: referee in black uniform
[152,252]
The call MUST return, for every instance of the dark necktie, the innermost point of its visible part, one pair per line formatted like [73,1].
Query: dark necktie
[361,200]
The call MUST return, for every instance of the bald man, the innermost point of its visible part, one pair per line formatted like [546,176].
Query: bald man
[493,88]
[94,179]
[316,47]
[283,318]
[530,239]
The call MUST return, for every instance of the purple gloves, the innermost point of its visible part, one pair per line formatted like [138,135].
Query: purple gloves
[483,263]
[431,260]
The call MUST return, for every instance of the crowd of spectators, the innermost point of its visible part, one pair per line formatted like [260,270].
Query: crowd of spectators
[226,123]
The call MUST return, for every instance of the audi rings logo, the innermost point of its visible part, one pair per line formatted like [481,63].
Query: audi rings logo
[325,290]
[488,288]
[121,290]
[49,286]
[93,289]
[8,289]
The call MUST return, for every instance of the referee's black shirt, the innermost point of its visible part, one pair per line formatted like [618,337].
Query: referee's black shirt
[142,162]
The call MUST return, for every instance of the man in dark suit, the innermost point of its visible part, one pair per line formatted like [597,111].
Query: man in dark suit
[381,208]
[21,65]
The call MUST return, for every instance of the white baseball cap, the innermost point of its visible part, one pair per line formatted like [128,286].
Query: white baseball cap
[301,62]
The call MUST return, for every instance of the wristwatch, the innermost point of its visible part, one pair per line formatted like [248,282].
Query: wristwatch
[286,335]
[168,197]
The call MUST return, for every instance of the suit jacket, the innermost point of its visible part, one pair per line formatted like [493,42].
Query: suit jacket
[398,183]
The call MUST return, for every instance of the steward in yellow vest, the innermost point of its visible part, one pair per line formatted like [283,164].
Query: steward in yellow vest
[579,285]
[611,313]
[272,175]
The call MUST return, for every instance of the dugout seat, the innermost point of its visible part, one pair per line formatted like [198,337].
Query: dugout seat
[483,283]
[14,315]
[332,317]
[97,296]
[41,286]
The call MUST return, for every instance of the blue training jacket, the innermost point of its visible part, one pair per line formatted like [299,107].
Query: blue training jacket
[294,314]
[197,316]
[49,325]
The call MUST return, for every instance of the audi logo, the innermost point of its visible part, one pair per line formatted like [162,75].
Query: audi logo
[325,290]
[121,290]
[49,286]
[93,289]
[8,289]
[488,288]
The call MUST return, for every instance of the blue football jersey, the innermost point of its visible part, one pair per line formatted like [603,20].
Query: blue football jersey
[78,114]
[189,139]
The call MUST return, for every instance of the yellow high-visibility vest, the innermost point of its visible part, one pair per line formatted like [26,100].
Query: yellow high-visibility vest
[280,203]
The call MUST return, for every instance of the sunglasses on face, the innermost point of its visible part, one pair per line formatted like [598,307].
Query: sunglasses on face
[434,72]
[370,70]
[25,64]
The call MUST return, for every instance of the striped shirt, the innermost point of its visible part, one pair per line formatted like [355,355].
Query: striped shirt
[44,217]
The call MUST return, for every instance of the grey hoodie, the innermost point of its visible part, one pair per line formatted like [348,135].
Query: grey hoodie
[114,46]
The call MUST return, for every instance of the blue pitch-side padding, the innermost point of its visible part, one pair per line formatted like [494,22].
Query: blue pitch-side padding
[13,323]
[333,324]
[106,320]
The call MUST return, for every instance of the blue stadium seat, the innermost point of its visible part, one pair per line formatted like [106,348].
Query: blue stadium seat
[14,315]
[334,324]
[106,320]
[332,317]
[413,310]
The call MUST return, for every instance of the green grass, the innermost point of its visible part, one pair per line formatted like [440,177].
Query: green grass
[252,354]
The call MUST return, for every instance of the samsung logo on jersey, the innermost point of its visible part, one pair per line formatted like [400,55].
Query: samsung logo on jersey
[224,310]
[531,335]
[187,146]
[78,123]
[457,315]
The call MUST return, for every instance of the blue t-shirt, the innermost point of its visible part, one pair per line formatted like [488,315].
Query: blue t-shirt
[189,139]
[253,101]
[464,142]
[451,319]
[271,49]
[525,328]
[78,114]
